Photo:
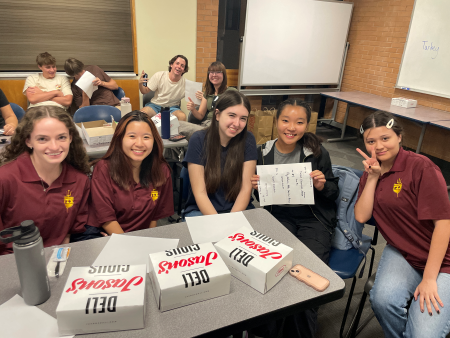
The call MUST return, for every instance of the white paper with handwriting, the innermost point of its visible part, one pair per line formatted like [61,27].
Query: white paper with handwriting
[285,184]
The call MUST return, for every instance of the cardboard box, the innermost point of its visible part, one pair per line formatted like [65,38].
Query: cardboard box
[312,126]
[95,132]
[174,124]
[403,102]
[188,275]
[102,299]
[255,258]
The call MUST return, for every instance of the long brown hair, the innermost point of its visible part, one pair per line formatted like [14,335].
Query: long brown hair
[76,157]
[309,140]
[120,167]
[231,177]
[209,87]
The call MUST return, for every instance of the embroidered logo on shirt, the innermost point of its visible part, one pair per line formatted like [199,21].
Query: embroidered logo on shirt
[68,200]
[58,87]
[154,194]
[398,186]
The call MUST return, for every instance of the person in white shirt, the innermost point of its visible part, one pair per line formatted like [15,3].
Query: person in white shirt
[168,87]
[48,88]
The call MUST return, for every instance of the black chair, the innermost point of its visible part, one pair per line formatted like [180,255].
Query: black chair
[146,98]
[183,188]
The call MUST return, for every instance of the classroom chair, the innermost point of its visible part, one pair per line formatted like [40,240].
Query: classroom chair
[345,263]
[119,93]
[18,110]
[147,98]
[94,113]
[183,189]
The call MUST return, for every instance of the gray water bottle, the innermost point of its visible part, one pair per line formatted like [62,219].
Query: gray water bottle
[30,260]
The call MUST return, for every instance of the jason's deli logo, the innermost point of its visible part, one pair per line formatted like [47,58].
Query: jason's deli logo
[120,283]
[262,250]
[166,266]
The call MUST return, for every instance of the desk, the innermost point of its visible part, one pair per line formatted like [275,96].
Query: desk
[421,115]
[243,308]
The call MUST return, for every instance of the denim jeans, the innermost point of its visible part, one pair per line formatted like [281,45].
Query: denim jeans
[393,291]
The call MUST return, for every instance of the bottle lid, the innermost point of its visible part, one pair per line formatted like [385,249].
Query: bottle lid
[125,99]
[25,233]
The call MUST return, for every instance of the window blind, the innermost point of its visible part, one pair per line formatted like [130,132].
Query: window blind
[96,32]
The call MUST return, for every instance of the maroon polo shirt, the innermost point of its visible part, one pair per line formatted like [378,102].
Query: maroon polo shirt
[22,197]
[133,209]
[407,200]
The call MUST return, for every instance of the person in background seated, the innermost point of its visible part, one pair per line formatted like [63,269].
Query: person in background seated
[216,84]
[407,195]
[131,184]
[47,88]
[43,177]
[8,120]
[168,87]
[221,160]
[102,96]
[313,224]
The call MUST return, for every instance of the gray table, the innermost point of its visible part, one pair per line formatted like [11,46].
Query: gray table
[421,115]
[243,308]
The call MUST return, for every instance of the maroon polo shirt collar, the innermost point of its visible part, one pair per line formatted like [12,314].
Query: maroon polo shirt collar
[400,161]
[28,172]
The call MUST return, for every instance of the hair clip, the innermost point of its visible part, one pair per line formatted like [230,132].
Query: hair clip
[361,130]
[390,124]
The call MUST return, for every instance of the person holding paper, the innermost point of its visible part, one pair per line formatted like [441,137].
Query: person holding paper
[406,194]
[221,160]
[43,177]
[215,85]
[102,96]
[8,120]
[47,88]
[314,224]
[168,87]
[131,184]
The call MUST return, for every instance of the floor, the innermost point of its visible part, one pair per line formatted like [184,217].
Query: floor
[330,315]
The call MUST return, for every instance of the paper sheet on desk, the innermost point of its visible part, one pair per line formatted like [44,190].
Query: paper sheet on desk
[213,228]
[132,250]
[285,184]
[85,83]
[19,320]
[191,88]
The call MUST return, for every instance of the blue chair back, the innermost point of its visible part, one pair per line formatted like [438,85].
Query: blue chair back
[94,113]
[119,93]
[184,174]
[18,111]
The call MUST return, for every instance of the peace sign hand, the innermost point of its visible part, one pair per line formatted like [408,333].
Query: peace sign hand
[371,164]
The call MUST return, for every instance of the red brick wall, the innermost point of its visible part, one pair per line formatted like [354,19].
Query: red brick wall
[377,37]
[207,18]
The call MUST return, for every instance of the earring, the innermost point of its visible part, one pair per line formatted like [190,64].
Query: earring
[31,148]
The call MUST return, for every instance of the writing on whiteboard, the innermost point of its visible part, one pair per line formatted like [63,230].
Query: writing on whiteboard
[285,184]
[431,48]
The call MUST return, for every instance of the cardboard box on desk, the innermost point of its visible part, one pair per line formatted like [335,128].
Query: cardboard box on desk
[255,258]
[174,124]
[96,132]
[102,299]
[188,275]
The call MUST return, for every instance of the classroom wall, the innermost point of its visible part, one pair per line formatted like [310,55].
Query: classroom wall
[378,32]
[163,30]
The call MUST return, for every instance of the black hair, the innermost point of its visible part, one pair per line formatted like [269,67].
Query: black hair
[381,118]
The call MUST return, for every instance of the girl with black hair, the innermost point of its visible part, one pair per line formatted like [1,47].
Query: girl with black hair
[221,160]
[407,195]
[131,184]
[312,224]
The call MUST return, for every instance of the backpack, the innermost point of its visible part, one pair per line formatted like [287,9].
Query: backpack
[348,232]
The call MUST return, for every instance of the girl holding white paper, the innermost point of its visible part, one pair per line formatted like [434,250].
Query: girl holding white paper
[312,224]
[221,160]
[131,186]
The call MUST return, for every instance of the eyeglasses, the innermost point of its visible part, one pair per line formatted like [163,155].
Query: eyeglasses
[215,73]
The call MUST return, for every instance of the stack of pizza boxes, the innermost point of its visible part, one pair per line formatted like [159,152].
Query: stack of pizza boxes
[255,259]
[188,275]
[102,299]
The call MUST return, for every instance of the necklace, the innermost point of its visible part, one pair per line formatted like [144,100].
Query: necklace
[42,182]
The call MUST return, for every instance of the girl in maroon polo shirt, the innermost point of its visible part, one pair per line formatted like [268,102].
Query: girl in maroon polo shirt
[131,185]
[407,195]
[43,176]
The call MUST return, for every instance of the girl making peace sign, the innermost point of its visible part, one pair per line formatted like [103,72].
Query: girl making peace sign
[407,195]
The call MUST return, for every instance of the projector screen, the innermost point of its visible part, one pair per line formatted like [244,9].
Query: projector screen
[294,42]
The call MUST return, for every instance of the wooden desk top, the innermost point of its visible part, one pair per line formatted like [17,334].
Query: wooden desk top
[419,114]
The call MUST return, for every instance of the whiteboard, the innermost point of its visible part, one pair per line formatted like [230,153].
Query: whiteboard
[294,42]
[425,66]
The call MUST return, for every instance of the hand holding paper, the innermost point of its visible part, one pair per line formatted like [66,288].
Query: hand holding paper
[190,91]
[85,82]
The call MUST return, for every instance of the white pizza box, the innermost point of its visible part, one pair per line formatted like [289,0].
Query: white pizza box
[188,275]
[97,132]
[255,259]
[102,299]
[174,124]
